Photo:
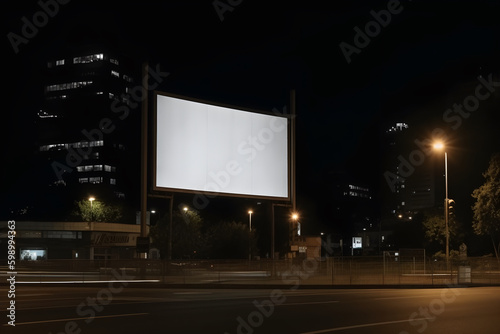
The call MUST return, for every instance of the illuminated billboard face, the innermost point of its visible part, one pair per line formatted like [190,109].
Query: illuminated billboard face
[212,149]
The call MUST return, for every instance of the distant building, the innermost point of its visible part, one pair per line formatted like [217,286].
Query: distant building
[404,190]
[40,241]
[353,207]
[84,134]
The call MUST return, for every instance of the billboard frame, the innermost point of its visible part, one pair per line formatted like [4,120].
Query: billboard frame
[209,194]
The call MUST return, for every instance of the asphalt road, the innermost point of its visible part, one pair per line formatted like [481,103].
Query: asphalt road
[122,308]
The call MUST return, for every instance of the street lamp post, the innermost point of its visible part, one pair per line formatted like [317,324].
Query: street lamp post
[295,222]
[250,234]
[91,199]
[440,146]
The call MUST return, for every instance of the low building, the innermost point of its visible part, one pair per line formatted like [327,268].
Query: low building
[72,240]
[307,247]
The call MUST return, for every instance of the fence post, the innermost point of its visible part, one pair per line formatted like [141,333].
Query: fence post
[333,266]
[432,272]
[383,269]
[350,271]
[399,271]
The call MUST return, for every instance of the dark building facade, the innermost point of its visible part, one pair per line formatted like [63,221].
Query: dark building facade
[408,174]
[86,145]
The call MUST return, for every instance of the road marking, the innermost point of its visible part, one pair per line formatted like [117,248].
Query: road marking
[92,282]
[337,329]
[308,303]
[402,297]
[76,319]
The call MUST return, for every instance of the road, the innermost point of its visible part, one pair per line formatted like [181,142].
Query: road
[122,308]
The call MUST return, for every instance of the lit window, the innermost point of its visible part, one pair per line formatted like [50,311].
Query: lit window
[59,183]
[115,74]
[95,179]
[114,61]
[83,180]
[88,59]
[112,181]
[107,168]
[98,168]
[60,62]
[52,147]
[69,85]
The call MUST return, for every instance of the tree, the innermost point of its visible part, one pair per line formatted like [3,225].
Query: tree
[435,227]
[187,238]
[98,211]
[486,209]
[231,240]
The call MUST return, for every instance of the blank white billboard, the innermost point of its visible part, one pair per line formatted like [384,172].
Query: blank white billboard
[207,148]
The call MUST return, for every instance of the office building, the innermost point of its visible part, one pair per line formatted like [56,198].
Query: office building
[86,147]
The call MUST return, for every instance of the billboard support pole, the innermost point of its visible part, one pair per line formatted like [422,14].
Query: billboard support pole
[292,171]
[170,220]
[170,224]
[292,151]
[144,149]
[272,231]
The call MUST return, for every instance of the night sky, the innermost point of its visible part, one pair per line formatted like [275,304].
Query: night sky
[425,59]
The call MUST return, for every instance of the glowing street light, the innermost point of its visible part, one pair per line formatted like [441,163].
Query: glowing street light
[250,219]
[91,199]
[295,218]
[185,209]
[250,234]
[440,146]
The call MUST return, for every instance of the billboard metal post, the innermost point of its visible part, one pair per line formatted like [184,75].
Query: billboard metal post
[272,231]
[292,149]
[144,149]
[292,171]
[170,224]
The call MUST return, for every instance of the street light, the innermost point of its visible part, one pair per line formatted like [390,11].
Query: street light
[250,220]
[91,199]
[440,146]
[295,218]
[250,234]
